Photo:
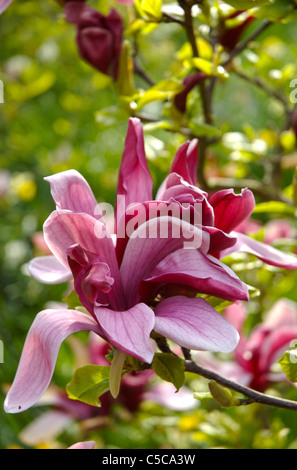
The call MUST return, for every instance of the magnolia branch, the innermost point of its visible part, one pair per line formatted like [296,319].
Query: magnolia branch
[241,46]
[252,395]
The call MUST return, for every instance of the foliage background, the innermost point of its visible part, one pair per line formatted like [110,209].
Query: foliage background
[54,118]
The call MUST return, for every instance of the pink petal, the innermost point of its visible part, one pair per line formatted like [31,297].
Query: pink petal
[283,313]
[186,161]
[83,445]
[236,314]
[49,329]
[48,270]
[129,330]
[150,243]
[194,324]
[64,229]
[266,253]
[135,182]
[274,345]
[231,209]
[194,269]
[4,4]
[71,191]
[46,427]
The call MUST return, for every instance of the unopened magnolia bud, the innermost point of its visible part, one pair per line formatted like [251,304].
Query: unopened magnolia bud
[180,100]
[99,37]
[222,395]
[229,37]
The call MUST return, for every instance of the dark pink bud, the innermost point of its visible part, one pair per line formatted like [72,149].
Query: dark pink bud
[189,83]
[99,37]
[229,37]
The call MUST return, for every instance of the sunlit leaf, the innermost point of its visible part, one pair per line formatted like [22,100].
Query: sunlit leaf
[170,368]
[88,384]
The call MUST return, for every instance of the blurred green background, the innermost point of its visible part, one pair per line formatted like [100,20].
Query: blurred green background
[59,114]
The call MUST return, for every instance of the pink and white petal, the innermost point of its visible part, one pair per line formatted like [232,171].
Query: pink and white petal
[236,314]
[135,182]
[194,324]
[266,253]
[283,313]
[46,427]
[83,445]
[231,209]
[274,345]
[49,329]
[194,269]
[129,330]
[152,242]
[4,4]
[48,270]
[72,192]
[63,229]
[164,393]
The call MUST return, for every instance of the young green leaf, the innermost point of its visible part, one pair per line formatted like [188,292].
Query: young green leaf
[88,384]
[288,363]
[170,368]
[247,4]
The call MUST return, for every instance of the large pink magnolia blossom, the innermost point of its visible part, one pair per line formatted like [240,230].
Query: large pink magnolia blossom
[133,285]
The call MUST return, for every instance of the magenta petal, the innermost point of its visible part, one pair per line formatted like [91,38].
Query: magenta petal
[194,324]
[150,243]
[129,330]
[231,209]
[185,161]
[283,313]
[48,270]
[83,445]
[71,191]
[275,344]
[64,229]
[193,269]
[135,182]
[266,253]
[4,4]
[49,329]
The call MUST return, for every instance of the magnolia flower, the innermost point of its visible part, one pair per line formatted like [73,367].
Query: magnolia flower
[4,4]
[99,37]
[137,280]
[255,355]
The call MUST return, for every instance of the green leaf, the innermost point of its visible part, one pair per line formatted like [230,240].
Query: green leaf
[278,10]
[170,368]
[164,90]
[88,384]
[72,300]
[247,4]
[275,207]
[149,9]
[288,363]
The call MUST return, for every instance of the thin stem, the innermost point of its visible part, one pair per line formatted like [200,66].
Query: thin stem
[253,395]
[267,89]
[188,25]
[241,46]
